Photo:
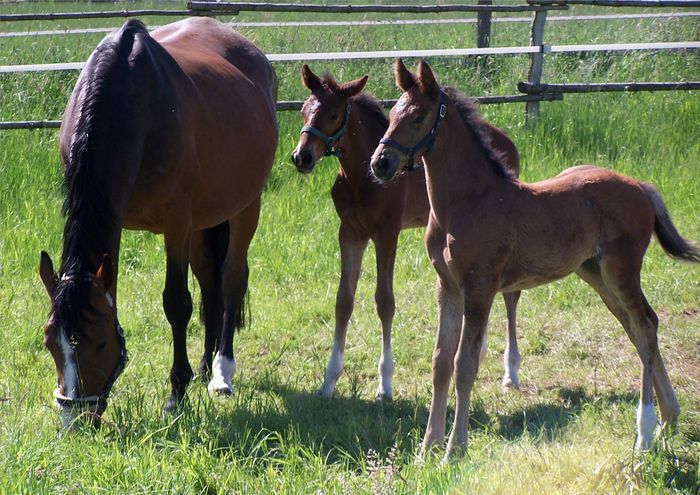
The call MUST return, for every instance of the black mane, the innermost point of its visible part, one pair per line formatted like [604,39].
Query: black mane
[469,111]
[89,217]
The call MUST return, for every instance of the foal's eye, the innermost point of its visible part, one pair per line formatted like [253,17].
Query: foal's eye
[101,346]
[419,119]
[334,116]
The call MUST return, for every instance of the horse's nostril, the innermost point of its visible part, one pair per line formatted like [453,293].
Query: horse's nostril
[294,157]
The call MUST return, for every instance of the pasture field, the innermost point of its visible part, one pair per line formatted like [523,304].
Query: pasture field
[571,427]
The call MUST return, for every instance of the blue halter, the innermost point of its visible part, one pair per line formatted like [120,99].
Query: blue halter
[428,142]
[331,142]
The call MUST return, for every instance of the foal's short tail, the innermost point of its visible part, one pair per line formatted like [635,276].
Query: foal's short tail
[669,238]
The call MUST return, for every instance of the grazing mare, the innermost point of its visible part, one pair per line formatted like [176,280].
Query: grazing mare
[489,232]
[173,132]
[340,120]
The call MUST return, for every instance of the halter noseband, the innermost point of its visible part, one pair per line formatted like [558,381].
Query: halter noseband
[95,402]
[331,142]
[428,142]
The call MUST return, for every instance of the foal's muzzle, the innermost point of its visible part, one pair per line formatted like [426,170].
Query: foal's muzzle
[385,165]
[303,160]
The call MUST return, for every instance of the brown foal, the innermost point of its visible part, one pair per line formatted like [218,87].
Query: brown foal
[340,120]
[488,232]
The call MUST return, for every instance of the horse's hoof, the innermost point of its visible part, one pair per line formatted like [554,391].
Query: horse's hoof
[325,392]
[383,396]
[509,385]
[172,405]
[219,388]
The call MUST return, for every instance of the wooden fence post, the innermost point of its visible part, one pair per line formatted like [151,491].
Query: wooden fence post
[483,23]
[532,108]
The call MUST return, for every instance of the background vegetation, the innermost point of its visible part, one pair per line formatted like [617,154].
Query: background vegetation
[569,430]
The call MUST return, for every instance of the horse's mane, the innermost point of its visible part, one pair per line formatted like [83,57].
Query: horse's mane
[364,100]
[469,111]
[89,216]
[84,205]
[372,106]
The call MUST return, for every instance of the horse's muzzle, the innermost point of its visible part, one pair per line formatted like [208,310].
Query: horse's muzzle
[384,166]
[303,161]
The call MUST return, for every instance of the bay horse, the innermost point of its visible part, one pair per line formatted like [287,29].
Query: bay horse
[489,233]
[173,132]
[343,121]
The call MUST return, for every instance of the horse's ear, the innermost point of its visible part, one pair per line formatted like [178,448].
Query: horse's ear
[105,273]
[310,80]
[404,79]
[47,273]
[353,87]
[426,79]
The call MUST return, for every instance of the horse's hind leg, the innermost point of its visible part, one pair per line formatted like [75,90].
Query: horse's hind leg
[385,244]
[616,279]
[235,285]
[352,249]
[511,356]
[206,259]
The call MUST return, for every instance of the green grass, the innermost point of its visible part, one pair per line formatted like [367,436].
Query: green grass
[570,429]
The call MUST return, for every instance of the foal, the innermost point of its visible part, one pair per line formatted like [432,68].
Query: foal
[488,232]
[340,120]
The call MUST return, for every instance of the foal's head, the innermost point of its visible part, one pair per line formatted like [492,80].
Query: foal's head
[413,122]
[83,336]
[325,115]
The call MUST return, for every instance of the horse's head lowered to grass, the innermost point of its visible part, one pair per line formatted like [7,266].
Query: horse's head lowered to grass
[83,336]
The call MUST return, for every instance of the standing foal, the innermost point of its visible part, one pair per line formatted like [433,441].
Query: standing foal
[340,120]
[490,233]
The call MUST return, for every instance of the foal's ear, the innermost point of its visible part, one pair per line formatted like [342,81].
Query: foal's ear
[426,79]
[404,79]
[46,273]
[105,273]
[353,87]
[310,80]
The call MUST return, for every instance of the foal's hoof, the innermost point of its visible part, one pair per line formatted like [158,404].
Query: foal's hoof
[383,396]
[173,404]
[508,385]
[325,392]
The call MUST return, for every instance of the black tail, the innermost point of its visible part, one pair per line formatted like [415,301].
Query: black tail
[671,241]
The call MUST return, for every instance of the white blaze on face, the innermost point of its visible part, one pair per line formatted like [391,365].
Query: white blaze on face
[70,373]
[312,108]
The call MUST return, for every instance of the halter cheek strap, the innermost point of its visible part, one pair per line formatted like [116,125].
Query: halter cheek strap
[94,402]
[331,142]
[427,143]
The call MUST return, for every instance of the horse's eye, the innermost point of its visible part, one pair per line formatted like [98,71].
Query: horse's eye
[334,116]
[419,119]
[101,346]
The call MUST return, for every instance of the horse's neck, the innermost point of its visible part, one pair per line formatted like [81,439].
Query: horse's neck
[457,171]
[361,138]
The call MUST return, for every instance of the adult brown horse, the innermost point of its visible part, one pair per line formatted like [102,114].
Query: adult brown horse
[340,120]
[173,132]
[488,232]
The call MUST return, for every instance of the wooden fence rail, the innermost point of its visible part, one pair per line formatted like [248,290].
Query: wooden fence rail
[283,106]
[538,89]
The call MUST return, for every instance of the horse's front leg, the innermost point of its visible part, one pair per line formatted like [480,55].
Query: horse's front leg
[477,305]
[352,250]
[177,303]
[450,309]
[385,244]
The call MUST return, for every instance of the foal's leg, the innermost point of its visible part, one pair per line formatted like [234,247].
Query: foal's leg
[235,285]
[177,303]
[477,304]
[206,259]
[450,312]
[385,244]
[352,248]
[511,356]
[620,275]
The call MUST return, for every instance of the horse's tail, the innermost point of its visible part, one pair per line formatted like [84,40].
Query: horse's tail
[666,233]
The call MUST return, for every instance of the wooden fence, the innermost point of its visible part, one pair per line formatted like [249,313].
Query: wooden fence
[533,89]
